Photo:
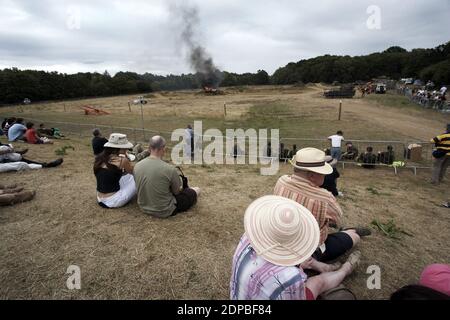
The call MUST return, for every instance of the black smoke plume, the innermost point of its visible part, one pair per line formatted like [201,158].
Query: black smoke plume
[200,60]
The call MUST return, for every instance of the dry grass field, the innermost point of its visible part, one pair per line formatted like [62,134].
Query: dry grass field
[124,254]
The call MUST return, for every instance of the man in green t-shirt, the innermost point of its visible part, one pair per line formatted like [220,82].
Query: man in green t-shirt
[160,189]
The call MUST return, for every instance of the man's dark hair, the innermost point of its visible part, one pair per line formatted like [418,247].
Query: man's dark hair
[30,125]
[390,148]
[369,149]
[340,133]
[417,292]
[96,132]
[19,120]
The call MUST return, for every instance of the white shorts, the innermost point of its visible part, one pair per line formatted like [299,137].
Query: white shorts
[124,195]
[18,166]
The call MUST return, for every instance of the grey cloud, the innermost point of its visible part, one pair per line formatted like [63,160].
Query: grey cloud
[241,36]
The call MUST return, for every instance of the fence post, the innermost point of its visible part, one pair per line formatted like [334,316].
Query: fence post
[340,110]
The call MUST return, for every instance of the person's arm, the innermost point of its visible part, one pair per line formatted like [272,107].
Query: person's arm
[126,166]
[6,150]
[334,212]
[175,183]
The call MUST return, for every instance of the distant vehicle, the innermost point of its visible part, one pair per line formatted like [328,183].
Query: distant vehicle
[140,100]
[381,89]
[26,101]
[407,80]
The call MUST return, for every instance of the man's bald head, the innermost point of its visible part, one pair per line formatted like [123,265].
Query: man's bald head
[157,143]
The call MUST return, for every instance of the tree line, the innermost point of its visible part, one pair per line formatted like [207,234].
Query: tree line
[395,62]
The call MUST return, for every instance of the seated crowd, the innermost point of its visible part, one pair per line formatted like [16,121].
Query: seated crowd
[161,190]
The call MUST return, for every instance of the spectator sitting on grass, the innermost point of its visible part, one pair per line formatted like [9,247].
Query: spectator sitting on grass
[351,153]
[310,169]
[434,284]
[32,137]
[98,142]
[160,190]
[44,132]
[269,261]
[114,173]
[387,157]
[17,131]
[330,182]
[368,159]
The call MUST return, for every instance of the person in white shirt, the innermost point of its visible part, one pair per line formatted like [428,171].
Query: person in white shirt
[336,144]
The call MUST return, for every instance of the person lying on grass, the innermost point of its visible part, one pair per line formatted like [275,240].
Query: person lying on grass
[13,160]
[10,195]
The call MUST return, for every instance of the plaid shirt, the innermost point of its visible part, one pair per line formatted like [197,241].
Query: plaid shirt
[254,278]
[320,202]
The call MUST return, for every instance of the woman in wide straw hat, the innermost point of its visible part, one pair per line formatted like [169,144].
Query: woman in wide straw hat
[114,173]
[280,236]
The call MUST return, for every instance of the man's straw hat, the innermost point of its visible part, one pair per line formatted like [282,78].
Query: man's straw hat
[281,230]
[118,141]
[311,159]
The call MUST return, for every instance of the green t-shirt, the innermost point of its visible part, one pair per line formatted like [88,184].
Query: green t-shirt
[156,183]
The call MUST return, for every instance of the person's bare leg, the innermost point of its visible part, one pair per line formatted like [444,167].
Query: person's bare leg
[329,280]
[11,191]
[12,186]
[355,237]
[313,264]
[11,199]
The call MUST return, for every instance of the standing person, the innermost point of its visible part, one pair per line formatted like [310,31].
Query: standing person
[17,131]
[441,156]
[98,142]
[160,190]
[270,259]
[336,144]
[303,187]
[330,182]
[114,173]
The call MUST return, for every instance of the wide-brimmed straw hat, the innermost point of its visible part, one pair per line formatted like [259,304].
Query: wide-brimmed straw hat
[118,141]
[281,230]
[311,159]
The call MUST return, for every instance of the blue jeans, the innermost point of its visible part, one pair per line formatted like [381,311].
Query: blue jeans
[336,153]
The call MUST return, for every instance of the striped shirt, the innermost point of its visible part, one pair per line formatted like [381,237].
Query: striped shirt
[443,142]
[254,278]
[320,202]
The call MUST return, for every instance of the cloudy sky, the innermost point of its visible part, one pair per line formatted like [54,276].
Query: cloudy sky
[241,35]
